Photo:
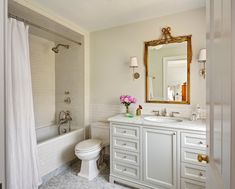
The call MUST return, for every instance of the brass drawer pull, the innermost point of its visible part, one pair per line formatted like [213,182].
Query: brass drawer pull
[200,158]
[124,144]
[124,132]
[124,169]
[124,157]
[200,174]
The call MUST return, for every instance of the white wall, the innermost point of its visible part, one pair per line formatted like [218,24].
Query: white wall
[110,52]
[70,77]
[42,60]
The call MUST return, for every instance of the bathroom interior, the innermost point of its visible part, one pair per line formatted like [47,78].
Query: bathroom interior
[110,102]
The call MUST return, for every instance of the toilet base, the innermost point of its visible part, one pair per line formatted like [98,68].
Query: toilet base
[89,169]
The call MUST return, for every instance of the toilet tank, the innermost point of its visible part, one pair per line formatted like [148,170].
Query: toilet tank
[100,130]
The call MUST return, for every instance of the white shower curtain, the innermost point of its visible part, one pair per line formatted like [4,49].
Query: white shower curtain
[22,167]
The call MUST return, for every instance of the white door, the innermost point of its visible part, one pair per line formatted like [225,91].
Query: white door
[219,93]
[3,7]
[159,158]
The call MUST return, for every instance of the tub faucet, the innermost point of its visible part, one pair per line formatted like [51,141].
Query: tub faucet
[64,118]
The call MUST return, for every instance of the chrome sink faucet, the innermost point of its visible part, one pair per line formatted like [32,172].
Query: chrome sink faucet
[164,112]
[160,113]
[156,112]
[172,114]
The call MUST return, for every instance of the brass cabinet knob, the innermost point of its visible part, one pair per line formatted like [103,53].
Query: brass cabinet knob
[200,158]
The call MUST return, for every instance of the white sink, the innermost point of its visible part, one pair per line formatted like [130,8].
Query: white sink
[162,119]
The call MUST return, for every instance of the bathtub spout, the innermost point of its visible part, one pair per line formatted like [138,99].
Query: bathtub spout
[64,118]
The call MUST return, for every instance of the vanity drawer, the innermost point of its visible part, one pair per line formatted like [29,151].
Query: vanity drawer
[125,131]
[196,141]
[126,170]
[126,144]
[125,157]
[190,156]
[194,172]
[189,184]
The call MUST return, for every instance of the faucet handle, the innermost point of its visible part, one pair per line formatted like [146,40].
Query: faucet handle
[164,112]
[172,114]
[156,112]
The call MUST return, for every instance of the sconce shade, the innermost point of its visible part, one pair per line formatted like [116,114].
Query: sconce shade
[133,62]
[202,55]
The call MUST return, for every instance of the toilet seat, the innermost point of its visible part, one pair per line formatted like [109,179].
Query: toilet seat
[88,145]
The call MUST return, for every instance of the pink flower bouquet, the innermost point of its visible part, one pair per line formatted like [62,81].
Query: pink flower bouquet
[127,100]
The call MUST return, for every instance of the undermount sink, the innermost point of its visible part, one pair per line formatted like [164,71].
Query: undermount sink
[157,119]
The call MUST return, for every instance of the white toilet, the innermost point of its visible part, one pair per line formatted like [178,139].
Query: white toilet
[89,150]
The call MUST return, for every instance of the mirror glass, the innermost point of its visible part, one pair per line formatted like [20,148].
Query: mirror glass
[168,70]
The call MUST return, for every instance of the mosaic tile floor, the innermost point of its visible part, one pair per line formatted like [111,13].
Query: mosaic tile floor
[69,180]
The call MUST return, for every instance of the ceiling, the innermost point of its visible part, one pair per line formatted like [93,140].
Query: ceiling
[101,14]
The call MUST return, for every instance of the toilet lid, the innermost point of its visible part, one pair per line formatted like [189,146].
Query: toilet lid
[87,145]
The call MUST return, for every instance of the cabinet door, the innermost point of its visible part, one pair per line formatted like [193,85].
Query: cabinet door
[159,158]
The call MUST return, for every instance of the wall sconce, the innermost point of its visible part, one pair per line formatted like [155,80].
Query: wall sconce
[133,65]
[202,59]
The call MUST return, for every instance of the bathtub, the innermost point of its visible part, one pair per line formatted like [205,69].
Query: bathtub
[55,150]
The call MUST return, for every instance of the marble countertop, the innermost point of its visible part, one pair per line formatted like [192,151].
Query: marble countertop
[186,124]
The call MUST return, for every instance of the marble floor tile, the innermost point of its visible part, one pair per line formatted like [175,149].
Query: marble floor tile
[69,180]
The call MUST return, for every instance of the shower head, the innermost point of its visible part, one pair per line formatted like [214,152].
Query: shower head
[56,48]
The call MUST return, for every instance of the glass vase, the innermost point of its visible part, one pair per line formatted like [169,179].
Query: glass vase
[127,109]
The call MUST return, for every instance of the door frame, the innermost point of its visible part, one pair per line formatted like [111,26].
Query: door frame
[165,70]
[3,20]
[233,97]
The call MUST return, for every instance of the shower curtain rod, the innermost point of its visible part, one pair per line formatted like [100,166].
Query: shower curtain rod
[42,28]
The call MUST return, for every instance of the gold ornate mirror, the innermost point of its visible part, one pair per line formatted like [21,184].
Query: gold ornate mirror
[167,62]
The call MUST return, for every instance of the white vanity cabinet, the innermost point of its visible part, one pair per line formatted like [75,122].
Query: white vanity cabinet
[159,157]
[156,157]
[125,151]
[193,173]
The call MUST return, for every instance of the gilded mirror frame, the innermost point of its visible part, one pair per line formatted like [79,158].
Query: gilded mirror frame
[165,39]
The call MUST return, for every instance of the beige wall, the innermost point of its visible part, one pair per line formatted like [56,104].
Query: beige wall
[27,8]
[70,77]
[111,49]
[52,75]
[42,60]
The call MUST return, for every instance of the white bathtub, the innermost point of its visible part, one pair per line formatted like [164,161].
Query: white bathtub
[56,150]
